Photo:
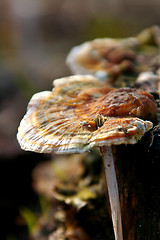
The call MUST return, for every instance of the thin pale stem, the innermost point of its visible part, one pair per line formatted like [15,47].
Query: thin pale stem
[112,191]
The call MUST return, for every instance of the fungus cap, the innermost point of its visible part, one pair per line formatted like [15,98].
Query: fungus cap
[80,114]
[105,58]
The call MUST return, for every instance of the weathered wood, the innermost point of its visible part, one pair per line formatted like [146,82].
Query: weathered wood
[138,173]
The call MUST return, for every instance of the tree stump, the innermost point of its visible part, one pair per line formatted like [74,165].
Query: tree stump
[138,173]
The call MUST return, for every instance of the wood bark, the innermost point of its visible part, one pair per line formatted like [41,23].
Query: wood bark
[138,175]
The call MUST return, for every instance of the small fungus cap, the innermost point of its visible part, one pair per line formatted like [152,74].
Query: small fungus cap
[81,112]
[104,57]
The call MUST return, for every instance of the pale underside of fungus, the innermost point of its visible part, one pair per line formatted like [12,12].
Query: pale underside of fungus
[81,113]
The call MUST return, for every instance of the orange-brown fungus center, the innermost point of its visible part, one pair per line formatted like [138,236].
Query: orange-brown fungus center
[123,102]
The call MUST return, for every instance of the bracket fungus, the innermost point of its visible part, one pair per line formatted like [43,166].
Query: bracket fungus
[110,58]
[80,113]
[104,58]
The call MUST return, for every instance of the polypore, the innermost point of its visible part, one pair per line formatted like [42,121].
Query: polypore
[81,113]
[110,58]
[105,58]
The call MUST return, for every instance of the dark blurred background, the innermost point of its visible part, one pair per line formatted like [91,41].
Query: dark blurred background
[35,38]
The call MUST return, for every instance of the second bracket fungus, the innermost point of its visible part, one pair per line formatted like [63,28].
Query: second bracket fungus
[109,59]
[81,113]
[105,58]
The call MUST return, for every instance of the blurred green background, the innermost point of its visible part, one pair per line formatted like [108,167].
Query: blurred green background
[35,38]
